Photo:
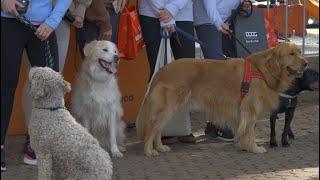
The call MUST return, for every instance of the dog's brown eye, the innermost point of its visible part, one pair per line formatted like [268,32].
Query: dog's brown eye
[106,50]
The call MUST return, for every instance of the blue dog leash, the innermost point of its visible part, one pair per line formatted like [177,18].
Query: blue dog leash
[190,37]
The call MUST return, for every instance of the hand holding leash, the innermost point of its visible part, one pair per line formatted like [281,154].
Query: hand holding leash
[43,31]
[10,6]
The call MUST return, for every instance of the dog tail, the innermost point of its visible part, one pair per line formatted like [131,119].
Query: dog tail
[143,116]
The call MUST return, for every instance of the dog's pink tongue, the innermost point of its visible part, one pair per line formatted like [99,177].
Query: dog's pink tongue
[112,69]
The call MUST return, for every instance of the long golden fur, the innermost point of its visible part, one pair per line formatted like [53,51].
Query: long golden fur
[214,87]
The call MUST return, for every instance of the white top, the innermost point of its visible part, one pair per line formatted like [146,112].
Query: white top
[181,10]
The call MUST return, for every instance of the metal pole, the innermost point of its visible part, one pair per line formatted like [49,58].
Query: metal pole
[304,27]
[286,21]
[268,6]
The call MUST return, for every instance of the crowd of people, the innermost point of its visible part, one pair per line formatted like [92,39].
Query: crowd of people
[99,19]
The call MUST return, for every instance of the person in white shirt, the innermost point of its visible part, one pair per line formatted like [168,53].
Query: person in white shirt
[163,14]
[209,21]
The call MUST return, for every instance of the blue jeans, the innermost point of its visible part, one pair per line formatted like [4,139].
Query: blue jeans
[218,43]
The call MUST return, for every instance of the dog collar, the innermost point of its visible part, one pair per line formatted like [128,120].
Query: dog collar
[50,108]
[286,95]
[249,73]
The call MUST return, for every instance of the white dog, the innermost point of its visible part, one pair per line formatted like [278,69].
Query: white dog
[96,99]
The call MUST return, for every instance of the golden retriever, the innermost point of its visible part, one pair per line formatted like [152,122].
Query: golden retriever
[214,87]
[96,98]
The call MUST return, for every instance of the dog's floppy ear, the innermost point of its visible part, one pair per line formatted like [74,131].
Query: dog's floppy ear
[273,64]
[66,86]
[37,87]
[88,48]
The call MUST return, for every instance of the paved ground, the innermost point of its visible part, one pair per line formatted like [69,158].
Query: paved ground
[209,159]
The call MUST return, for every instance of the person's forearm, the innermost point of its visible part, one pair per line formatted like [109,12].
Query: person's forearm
[212,12]
[57,13]
[80,7]
[175,6]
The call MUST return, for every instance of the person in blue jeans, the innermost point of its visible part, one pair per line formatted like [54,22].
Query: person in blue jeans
[210,26]
[15,37]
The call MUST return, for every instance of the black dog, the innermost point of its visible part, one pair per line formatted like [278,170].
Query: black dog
[288,102]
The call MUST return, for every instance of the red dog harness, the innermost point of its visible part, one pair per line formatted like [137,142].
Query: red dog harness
[248,75]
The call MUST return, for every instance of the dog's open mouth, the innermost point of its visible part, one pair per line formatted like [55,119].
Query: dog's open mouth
[314,86]
[107,66]
[297,73]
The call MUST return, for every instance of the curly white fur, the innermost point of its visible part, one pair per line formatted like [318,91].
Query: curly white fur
[64,149]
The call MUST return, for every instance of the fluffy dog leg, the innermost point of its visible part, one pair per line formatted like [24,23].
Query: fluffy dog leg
[162,118]
[246,140]
[148,146]
[44,166]
[159,146]
[112,135]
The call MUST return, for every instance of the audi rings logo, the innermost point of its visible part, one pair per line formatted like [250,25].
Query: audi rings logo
[251,35]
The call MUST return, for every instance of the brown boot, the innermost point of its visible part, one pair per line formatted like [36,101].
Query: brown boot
[169,140]
[187,139]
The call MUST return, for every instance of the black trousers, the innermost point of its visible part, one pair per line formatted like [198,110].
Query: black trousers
[15,37]
[90,31]
[184,48]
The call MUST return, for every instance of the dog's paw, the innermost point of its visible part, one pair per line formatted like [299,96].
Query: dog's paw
[117,154]
[122,149]
[163,148]
[152,153]
[285,144]
[259,150]
[291,136]
[273,144]
[285,141]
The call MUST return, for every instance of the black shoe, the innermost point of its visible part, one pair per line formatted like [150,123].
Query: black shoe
[211,130]
[26,144]
[225,134]
[3,164]
[222,134]
[29,155]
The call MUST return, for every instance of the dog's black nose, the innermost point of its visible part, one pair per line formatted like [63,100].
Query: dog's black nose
[116,58]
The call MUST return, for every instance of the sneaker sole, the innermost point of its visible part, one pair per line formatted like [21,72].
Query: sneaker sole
[30,161]
[224,139]
[3,168]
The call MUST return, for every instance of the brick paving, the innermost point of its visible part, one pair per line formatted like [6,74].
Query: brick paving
[210,158]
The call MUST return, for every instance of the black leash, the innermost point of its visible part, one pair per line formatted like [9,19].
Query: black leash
[244,13]
[51,108]
[48,57]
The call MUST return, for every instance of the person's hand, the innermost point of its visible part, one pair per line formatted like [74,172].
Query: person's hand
[170,28]
[164,15]
[9,6]
[225,28]
[43,31]
[78,22]
[105,35]
[122,3]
